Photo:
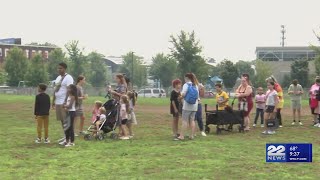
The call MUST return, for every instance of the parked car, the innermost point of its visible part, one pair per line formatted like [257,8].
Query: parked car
[152,93]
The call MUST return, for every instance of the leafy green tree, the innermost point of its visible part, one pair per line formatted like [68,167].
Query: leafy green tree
[3,76]
[44,44]
[317,59]
[187,51]
[228,72]
[163,68]
[16,65]
[37,72]
[139,77]
[245,67]
[77,59]
[263,71]
[300,71]
[98,68]
[286,81]
[55,57]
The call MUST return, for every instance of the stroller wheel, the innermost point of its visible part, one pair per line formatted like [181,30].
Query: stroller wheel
[87,137]
[218,131]
[114,136]
[100,137]
[207,130]
[240,129]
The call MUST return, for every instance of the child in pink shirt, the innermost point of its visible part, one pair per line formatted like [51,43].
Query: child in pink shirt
[260,106]
[95,111]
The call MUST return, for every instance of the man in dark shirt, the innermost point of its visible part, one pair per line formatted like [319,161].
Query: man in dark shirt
[41,111]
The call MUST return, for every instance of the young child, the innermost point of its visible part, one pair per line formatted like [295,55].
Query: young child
[271,103]
[132,119]
[41,111]
[124,111]
[260,106]
[222,97]
[175,105]
[70,107]
[95,111]
[102,118]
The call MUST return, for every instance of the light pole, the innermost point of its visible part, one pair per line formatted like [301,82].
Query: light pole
[132,69]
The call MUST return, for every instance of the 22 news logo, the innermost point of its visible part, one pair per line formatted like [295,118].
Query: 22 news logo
[276,153]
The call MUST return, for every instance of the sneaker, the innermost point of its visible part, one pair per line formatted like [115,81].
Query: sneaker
[293,123]
[203,134]
[46,141]
[63,143]
[262,125]
[76,135]
[265,132]
[38,140]
[271,132]
[319,125]
[124,138]
[254,125]
[62,139]
[280,126]
[316,125]
[69,145]
[300,123]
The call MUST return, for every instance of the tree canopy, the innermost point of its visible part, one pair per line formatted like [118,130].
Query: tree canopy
[186,51]
[16,65]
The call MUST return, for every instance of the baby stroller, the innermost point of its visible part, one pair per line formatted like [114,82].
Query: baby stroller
[108,125]
[221,118]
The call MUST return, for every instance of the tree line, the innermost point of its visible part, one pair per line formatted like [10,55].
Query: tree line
[185,56]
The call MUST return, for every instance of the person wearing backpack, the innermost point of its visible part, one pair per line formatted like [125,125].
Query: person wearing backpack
[190,95]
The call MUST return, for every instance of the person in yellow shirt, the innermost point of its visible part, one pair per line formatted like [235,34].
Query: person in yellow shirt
[221,97]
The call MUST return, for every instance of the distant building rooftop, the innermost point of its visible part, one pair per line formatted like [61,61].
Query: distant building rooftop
[289,53]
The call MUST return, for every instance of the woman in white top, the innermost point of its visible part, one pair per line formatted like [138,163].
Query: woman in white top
[70,107]
[189,109]
[271,103]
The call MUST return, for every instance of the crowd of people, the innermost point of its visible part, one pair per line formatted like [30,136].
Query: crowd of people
[268,103]
[68,104]
[185,102]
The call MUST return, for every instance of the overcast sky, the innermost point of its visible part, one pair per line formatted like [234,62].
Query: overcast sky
[226,28]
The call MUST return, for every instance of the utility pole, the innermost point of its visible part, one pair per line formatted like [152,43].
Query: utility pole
[283,31]
[132,69]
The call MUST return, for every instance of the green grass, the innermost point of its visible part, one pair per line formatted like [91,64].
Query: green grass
[151,154]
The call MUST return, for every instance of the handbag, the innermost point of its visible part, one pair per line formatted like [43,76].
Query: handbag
[243,106]
[58,86]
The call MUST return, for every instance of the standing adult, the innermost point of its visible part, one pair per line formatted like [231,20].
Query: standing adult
[279,90]
[121,89]
[60,94]
[244,95]
[190,93]
[81,80]
[313,92]
[295,91]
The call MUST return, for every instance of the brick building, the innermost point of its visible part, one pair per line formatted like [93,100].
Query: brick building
[29,50]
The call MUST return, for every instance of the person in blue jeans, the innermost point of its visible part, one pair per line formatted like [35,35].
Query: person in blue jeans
[198,116]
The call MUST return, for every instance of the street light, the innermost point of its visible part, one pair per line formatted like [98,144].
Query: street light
[132,69]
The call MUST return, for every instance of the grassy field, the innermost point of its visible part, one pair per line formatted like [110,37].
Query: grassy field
[152,154]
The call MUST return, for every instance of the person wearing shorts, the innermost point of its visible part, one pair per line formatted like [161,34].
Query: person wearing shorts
[60,93]
[272,101]
[188,110]
[313,101]
[295,91]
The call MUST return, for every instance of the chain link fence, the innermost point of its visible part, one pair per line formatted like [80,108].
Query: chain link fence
[101,91]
